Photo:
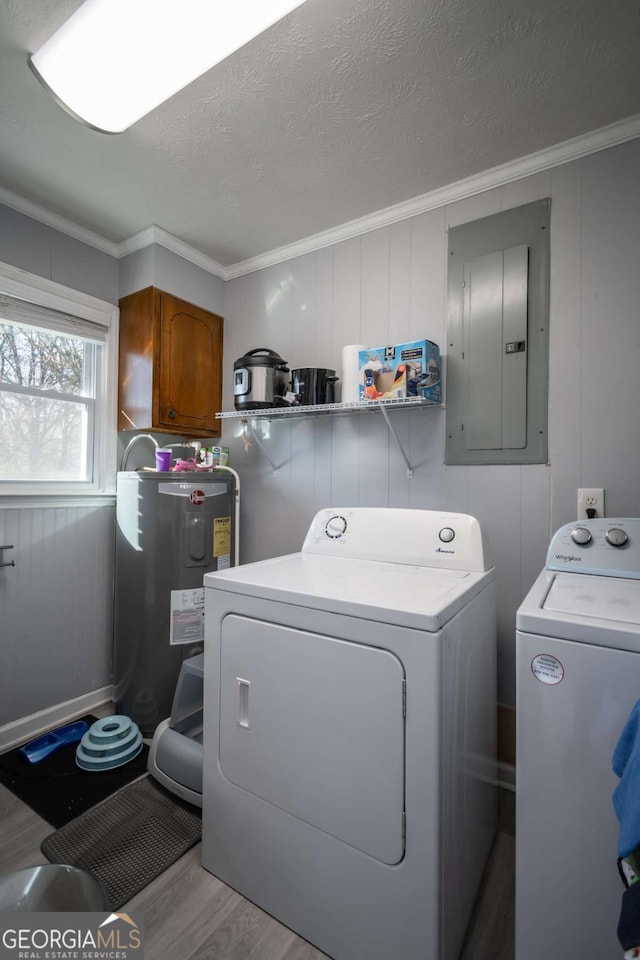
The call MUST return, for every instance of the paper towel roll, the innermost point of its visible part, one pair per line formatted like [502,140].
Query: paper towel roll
[351,372]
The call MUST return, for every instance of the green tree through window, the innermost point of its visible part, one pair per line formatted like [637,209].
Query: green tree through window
[47,393]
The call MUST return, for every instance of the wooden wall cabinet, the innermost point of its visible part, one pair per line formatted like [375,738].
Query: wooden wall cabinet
[170,370]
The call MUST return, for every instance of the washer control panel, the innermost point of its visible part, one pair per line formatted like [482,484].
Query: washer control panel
[336,526]
[604,547]
[617,537]
[425,538]
[581,536]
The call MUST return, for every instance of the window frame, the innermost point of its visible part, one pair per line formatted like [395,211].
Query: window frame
[49,294]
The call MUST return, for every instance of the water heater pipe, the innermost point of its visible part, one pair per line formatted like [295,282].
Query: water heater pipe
[237,513]
[138,436]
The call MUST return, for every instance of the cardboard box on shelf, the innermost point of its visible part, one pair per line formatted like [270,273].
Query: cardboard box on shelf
[402,371]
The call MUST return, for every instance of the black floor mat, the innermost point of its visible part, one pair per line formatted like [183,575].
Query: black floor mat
[129,839]
[59,791]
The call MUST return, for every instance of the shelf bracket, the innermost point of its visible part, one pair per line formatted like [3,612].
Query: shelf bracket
[397,440]
[319,409]
[250,429]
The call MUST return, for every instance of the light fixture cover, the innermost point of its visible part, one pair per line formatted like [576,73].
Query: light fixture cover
[113,61]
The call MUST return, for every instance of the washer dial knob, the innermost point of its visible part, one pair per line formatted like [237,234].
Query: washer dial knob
[447,534]
[335,527]
[581,536]
[616,537]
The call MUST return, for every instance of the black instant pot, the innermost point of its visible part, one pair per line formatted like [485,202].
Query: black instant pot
[260,380]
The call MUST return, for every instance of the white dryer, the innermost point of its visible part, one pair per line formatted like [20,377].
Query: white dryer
[349,746]
[578,677]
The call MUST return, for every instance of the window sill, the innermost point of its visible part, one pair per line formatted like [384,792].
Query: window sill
[10,501]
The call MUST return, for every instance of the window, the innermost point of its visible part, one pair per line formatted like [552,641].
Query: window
[57,429]
[48,387]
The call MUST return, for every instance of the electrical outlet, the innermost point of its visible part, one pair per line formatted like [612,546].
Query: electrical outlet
[590,498]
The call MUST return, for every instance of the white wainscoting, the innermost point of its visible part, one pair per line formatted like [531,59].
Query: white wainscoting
[55,613]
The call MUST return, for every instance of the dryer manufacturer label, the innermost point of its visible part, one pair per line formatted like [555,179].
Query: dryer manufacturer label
[547,669]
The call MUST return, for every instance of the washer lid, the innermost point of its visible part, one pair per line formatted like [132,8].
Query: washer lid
[402,594]
[600,610]
[606,598]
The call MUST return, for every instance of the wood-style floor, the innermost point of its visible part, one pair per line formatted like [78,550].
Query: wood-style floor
[191,915]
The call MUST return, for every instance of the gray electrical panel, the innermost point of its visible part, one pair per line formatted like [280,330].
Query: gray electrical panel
[497,336]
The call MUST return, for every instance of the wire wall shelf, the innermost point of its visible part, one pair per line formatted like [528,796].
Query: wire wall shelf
[329,409]
[326,409]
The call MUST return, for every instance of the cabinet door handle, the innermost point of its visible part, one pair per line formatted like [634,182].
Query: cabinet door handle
[172,413]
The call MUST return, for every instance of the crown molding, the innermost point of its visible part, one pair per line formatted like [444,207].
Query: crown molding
[151,235]
[138,241]
[574,149]
[156,235]
[51,219]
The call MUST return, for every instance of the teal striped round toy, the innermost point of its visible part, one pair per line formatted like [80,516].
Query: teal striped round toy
[109,743]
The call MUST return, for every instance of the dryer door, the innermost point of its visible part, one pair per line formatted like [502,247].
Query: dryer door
[315,726]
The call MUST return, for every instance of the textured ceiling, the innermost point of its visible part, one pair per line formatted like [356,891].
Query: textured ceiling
[343,108]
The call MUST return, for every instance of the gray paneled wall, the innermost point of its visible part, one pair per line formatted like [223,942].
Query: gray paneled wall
[33,246]
[55,605]
[56,634]
[383,287]
[154,266]
[388,286]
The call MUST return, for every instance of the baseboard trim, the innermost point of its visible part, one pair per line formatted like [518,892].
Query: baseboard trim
[26,728]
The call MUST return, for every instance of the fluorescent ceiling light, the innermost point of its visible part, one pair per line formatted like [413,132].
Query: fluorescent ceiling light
[115,60]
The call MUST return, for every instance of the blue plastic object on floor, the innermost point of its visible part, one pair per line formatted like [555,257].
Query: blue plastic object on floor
[44,746]
[109,743]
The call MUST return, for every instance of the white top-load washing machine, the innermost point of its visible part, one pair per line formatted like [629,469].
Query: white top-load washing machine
[349,744]
[578,677]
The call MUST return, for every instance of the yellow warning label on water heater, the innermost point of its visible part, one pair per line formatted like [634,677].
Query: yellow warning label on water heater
[221,536]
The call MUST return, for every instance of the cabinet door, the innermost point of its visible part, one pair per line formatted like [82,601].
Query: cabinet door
[190,368]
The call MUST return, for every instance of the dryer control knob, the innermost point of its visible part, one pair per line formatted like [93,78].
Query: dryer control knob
[447,534]
[581,536]
[616,537]
[335,527]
